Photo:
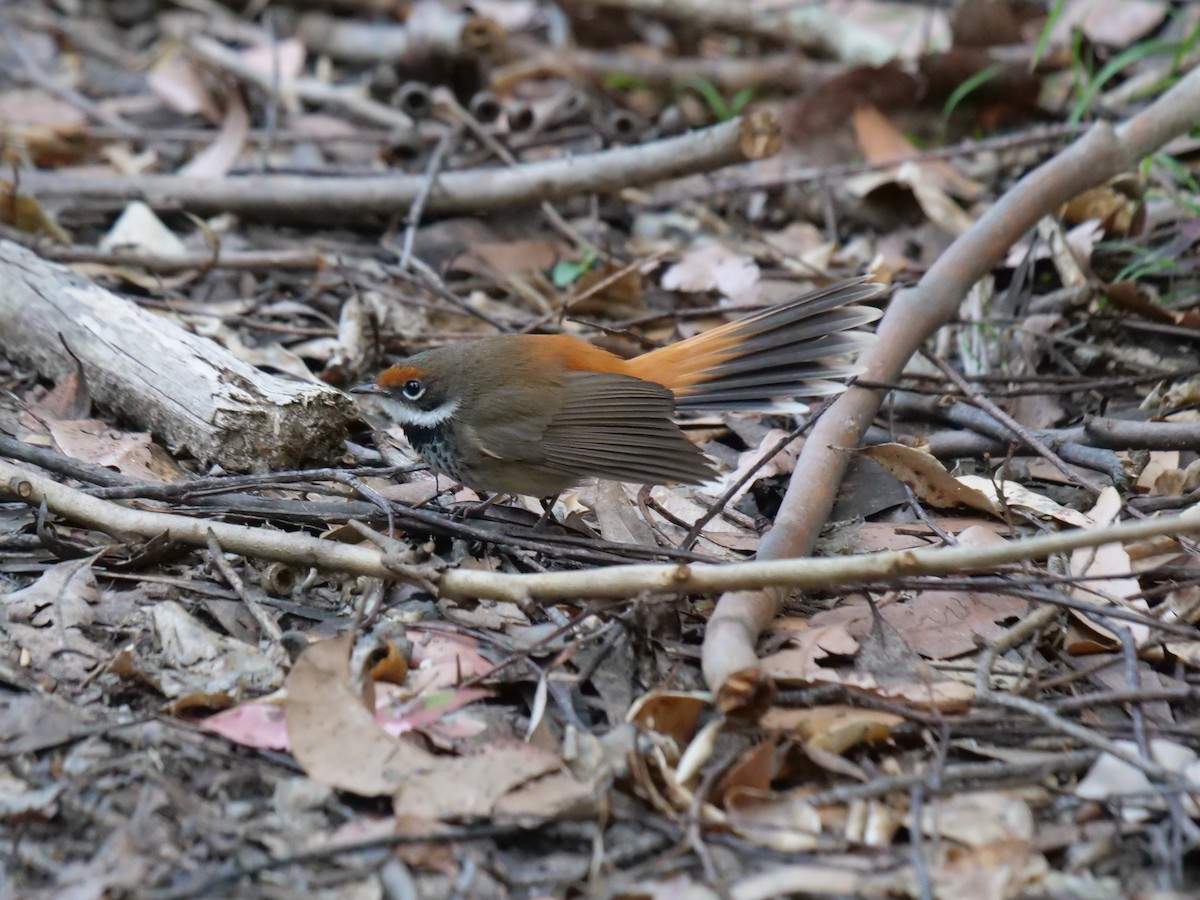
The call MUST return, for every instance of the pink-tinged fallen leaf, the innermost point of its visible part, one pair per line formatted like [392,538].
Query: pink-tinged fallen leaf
[179,86]
[260,725]
[334,735]
[443,660]
[286,57]
[709,266]
[215,160]
[263,725]
[427,710]
[1117,23]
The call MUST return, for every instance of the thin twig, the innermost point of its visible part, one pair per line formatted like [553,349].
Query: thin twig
[268,626]
[617,582]
[432,172]
[1026,436]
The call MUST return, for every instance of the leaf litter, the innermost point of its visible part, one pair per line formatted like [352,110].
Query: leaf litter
[582,734]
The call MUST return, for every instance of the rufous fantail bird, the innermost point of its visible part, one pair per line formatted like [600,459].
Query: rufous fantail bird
[536,414]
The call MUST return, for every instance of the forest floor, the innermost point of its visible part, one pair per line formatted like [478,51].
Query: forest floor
[249,648]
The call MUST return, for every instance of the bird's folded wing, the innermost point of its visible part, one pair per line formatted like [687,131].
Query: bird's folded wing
[619,427]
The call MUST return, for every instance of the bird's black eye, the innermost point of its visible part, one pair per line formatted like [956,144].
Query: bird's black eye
[413,389]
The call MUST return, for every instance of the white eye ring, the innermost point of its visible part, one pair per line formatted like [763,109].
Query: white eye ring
[413,390]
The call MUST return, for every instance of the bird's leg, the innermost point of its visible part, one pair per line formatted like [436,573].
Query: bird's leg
[477,511]
[547,510]
[374,497]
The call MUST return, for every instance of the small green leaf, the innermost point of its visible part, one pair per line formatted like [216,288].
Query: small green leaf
[1044,38]
[709,93]
[566,272]
[980,78]
[741,100]
[1112,68]
[624,81]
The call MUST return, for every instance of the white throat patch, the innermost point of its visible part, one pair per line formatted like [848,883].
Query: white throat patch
[421,418]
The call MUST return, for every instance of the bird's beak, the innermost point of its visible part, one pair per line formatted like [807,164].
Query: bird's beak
[369,387]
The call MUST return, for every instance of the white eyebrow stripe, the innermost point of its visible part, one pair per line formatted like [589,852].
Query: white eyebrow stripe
[421,418]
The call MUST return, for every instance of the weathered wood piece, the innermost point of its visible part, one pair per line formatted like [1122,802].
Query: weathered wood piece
[189,392]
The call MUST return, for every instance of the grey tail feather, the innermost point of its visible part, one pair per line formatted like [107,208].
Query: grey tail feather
[800,350]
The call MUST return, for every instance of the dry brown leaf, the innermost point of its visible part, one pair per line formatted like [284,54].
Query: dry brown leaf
[785,822]
[933,183]
[619,298]
[833,728]
[997,830]
[1017,495]
[556,796]
[1118,212]
[1110,779]
[286,56]
[177,83]
[1106,569]
[334,735]
[805,242]
[753,769]
[619,519]
[131,453]
[46,620]
[443,660]
[801,664]
[871,536]
[26,214]
[720,537]
[781,463]
[674,714]
[194,659]
[470,786]
[928,477]
[498,259]
[936,624]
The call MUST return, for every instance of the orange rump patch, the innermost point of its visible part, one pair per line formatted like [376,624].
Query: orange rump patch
[574,354]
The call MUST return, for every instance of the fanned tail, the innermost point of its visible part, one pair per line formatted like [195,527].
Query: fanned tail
[769,361]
